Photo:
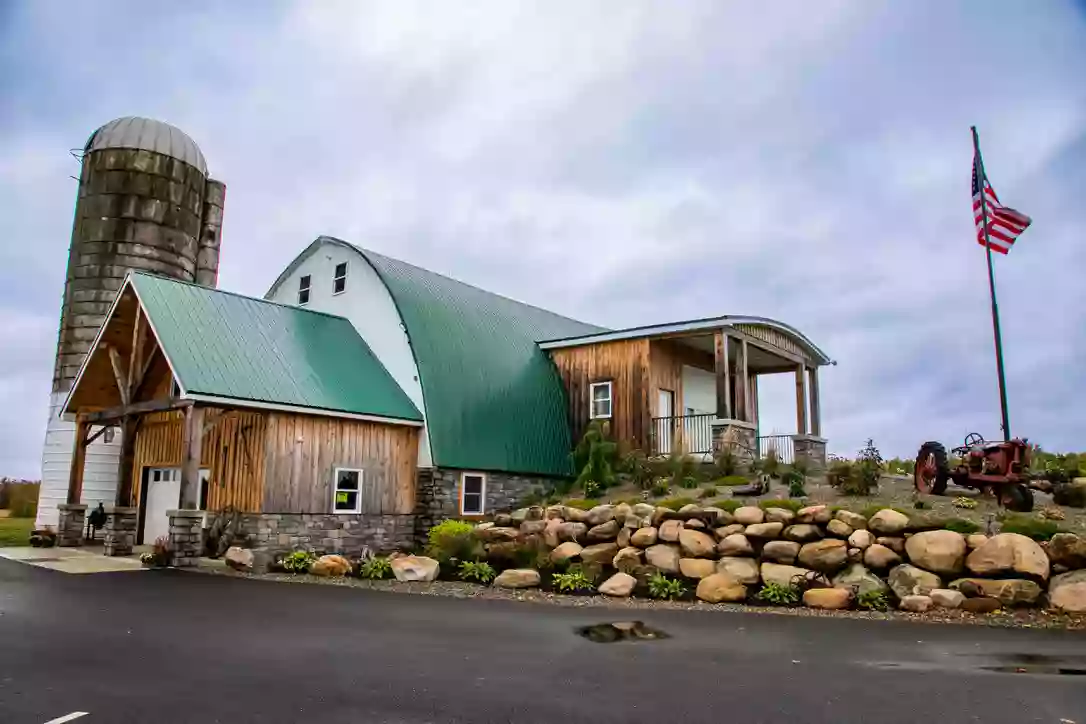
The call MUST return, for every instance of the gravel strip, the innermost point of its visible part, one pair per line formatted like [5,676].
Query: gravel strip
[1014,618]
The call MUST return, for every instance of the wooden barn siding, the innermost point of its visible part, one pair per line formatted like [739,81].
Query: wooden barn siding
[233,450]
[303,452]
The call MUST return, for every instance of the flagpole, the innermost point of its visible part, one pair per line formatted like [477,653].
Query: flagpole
[979,168]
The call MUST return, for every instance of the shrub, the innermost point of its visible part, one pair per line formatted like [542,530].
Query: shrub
[873,601]
[478,571]
[771,464]
[689,482]
[595,456]
[375,568]
[572,581]
[709,492]
[660,488]
[792,505]
[1038,530]
[582,503]
[297,561]
[675,503]
[591,488]
[961,525]
[665,588]
[732,481]
[684,471]
[778,594]
[1072,495]
[453,540]
[795,481]
[161,554]
[726,463]
[964,503]
[838,472]
[731,505]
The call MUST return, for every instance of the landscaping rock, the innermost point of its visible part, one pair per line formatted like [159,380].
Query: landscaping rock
[624,537]
[240,559]
[720,587]
[332,566]
[556,511]
[600,514]
[644,510]
[981,605]
[939,551]
[1008,591]
[644,537]
[839,529]
[1067,592]
[862,539]
[575,515]
[414,568]
[976,540]
[764,530]
[719,516]
[664,557]
[690,509]
[888,521]
[627,560]
[573,532]
[670,529]
[551,532]
[897,545]
[906,580]
[880,557]
[802,533]
[566,552]
[505,520]
[599,553]
[603,531]
[855,555]
[533,527]
[852,520]
[695,524]
[730,529]
[696,544]
[780,551]
[504,551]
[622,512]
[946,598]
[497,534]
[517,578]
[1009,553]
[916,603]
[620,585]
[779,515]
[749,515]
[783,575]
[697,567]
[825,555]
[735,545]
[859,578]
[1067,549]
[832,599]
[744,570]
[814,514]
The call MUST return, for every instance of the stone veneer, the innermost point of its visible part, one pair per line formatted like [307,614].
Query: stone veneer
[438,491]
[812,449]
[738,436]
[70,524]
[186,537]
[119,530]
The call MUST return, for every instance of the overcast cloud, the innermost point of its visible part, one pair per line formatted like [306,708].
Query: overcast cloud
[618,162]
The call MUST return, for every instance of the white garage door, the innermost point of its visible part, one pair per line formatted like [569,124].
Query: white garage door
[163,494]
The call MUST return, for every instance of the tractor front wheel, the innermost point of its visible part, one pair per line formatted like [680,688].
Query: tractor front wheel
[1017,498]
[932,470]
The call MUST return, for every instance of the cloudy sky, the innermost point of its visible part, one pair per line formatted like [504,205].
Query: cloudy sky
[619,162]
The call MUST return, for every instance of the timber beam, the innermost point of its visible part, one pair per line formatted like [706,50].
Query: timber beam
[136,408]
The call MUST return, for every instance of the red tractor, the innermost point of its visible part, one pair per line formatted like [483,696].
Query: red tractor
[994,468]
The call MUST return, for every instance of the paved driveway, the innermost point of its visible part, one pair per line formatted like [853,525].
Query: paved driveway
[170,647]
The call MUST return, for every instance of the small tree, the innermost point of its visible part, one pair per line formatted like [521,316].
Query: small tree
[869,466]
[594,456]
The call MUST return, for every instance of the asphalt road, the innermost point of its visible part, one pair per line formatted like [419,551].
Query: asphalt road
[169,647]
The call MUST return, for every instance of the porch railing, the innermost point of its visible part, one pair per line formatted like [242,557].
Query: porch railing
[782,445]
[692,433]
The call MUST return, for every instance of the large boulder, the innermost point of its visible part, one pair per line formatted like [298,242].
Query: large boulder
[720,587]
[897,545]
[982,604]
[779,515]
[1067,592]
[1067,549]
[695,544]
[644,537]
[784,575]
[517,578]
[623,511]
[880,557]
[852,520]
[625,535]
[240,559]
[603,531]
[697,567]
[572,531]
[939,551]
[599,553]
[803,532]
[620,585]
[780,551]
[1008,591]
[814,514]
[694,523]
[644,510]
[414,568]
[859,578]
[730,529]
[600,514]
[533,527]
[718,516]
[764,530]
[497,534]
[551,532]
[825,555]
[664,557]
[888,522]
[1009,554]
[916,603]
[832,599]
[627,560]
[566,551]
[946,598]
[745,570]
[749,515]
[975,540]
[575,515]
[735,545]
[839,529]
[906,580]
[332,566]
[670,530]
[862,539]
[555,512]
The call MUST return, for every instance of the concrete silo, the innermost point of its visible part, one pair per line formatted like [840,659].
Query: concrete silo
[145,202]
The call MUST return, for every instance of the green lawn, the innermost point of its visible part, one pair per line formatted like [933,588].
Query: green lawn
[15,531]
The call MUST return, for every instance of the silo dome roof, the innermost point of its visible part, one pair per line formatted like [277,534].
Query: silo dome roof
[149,135]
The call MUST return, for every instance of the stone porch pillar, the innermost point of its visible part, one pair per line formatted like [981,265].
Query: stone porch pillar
[810,449]
[738,437]
[186,537]
[73,516]
[120,530]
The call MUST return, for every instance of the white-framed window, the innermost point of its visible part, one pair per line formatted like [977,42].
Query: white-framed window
[348,494]
[600,405]
[472,493]
[303,289]
[339,279]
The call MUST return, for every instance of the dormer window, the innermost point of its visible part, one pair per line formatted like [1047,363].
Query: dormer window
[303,289]
[339,281]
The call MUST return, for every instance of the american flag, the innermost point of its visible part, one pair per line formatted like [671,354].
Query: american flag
[1004,223]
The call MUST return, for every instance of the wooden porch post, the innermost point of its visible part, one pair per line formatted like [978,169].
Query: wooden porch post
[79,458]
[801,401]
[192,442]
[127,460]
[753,382]
[742,389]
[816,411]
[723,375]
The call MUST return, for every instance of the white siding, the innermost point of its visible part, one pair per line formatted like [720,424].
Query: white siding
[369,307]
[99,473]
[699,391]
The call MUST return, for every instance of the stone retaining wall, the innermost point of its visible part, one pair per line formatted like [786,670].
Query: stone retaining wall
[438,491]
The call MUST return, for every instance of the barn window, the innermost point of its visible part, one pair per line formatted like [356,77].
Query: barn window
[303,289]
[472,493]
[339,280]
[348,497]
[601,400]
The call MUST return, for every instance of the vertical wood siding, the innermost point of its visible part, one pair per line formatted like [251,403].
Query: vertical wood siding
[302,453]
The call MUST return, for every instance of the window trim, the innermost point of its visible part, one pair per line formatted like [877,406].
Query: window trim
[609,384]
[335,489]
[308,289]
[346,271]
[482,492]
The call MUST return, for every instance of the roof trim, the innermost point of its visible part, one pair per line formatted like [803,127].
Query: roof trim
[693,325]
[319,411]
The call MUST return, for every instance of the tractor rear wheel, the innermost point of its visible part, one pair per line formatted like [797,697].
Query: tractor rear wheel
[1017,498]
[932,470]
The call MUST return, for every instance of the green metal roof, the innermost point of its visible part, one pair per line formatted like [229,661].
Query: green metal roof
[226,345]
[493,398]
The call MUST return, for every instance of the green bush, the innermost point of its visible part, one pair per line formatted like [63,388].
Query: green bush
[665,588]
[961,525]
[689,482]
[453,540]
[1038,530]
[660,488]
[591,489]
[873,601]
[572,581]
[778,594]
[732,481]
[478,571]
[297,561]
[792,505]
[375,568]
[582,503]
[675,503]
[595,457]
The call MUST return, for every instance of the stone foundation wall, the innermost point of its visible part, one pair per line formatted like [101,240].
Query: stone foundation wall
[70,524]
[119,531]
[438,491]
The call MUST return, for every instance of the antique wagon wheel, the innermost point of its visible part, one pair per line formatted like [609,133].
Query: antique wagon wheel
[932,471]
